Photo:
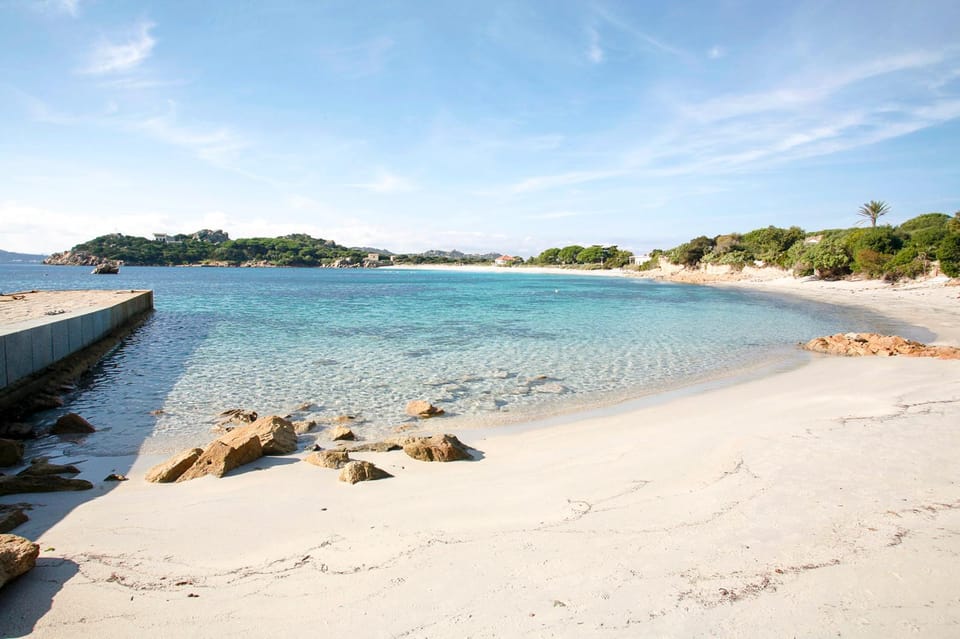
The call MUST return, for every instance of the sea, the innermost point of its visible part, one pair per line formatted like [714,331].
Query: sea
[489,348]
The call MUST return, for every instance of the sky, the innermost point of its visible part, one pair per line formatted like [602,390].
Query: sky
[478,126]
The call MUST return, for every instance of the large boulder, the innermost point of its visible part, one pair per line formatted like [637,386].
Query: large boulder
[439,448]
[11,452]
[17,556]
[277,435]
[71,424]
[328,458]
[356,471]
[171,469]
[422,409]
[40,484]
[223,455]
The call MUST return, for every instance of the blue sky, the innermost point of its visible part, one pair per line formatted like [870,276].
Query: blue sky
[481,126]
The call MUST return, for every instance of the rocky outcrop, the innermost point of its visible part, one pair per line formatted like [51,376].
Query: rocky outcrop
[16,430]
[328,458]
[17,556]
[73,258]
[423,409]
[72,424]
[11,452]
[357,471]
[171,470]
[859,344]
[342,433]
[40,484]
[304,426]
[221,457]
[439,448]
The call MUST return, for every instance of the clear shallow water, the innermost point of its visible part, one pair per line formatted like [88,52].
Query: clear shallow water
[487,347]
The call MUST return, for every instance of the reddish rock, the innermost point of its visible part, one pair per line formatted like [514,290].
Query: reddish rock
[277,435]
[222,456]
[342,433]
[328,458]
[861,344]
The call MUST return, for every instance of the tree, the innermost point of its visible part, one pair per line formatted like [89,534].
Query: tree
[568,254]
[872,210]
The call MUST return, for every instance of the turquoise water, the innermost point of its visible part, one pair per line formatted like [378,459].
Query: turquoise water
[489,348]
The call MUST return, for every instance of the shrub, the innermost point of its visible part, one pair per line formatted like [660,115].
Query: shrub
[949,254]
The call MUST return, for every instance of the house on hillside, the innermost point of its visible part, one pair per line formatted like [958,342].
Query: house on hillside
[505,260]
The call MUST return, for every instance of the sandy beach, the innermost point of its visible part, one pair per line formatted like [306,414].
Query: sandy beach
[820,501]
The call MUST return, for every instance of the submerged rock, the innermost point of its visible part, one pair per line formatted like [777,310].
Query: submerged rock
[17,556]
[357,471]
[70,424]
[237,416]
[170,470]
[439,448]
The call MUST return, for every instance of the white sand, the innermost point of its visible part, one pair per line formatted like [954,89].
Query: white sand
[823,501]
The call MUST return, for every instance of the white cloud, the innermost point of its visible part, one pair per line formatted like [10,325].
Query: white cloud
[716,52]
[111,57]
[214,144]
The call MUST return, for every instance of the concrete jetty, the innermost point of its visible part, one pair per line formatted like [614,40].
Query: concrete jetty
[41,328]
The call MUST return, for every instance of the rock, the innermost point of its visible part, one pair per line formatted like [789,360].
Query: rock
[43,401]
[71,423]
[237,416]
[500,374]
[356,471]
[225,454]
[40,484]
[344,419]
[422,409]
[11,452]
[328,458]
[277,435]
[375,447]
[17,556]
[860,344]
[403,428]
[170,470]
[441,448]
[40,466]
[17,430]
[554,388]
[342,433]
[10,519]
[303,427]
[115,477]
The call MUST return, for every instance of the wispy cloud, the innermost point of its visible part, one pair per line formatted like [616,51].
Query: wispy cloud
[212,143]
[716,52]
[120,57]
[543,182]
[365,58]
[594,52]
[646,40]
[387,182]
[69,7]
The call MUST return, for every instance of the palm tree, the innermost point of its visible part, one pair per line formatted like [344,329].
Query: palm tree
[872,210]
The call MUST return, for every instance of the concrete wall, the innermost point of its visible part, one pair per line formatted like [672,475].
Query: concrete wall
[37,345]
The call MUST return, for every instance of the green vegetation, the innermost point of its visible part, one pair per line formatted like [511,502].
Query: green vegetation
[290,250]
[596,256]
[888,252]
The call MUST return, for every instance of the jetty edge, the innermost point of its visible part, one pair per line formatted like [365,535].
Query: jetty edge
[49,338]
